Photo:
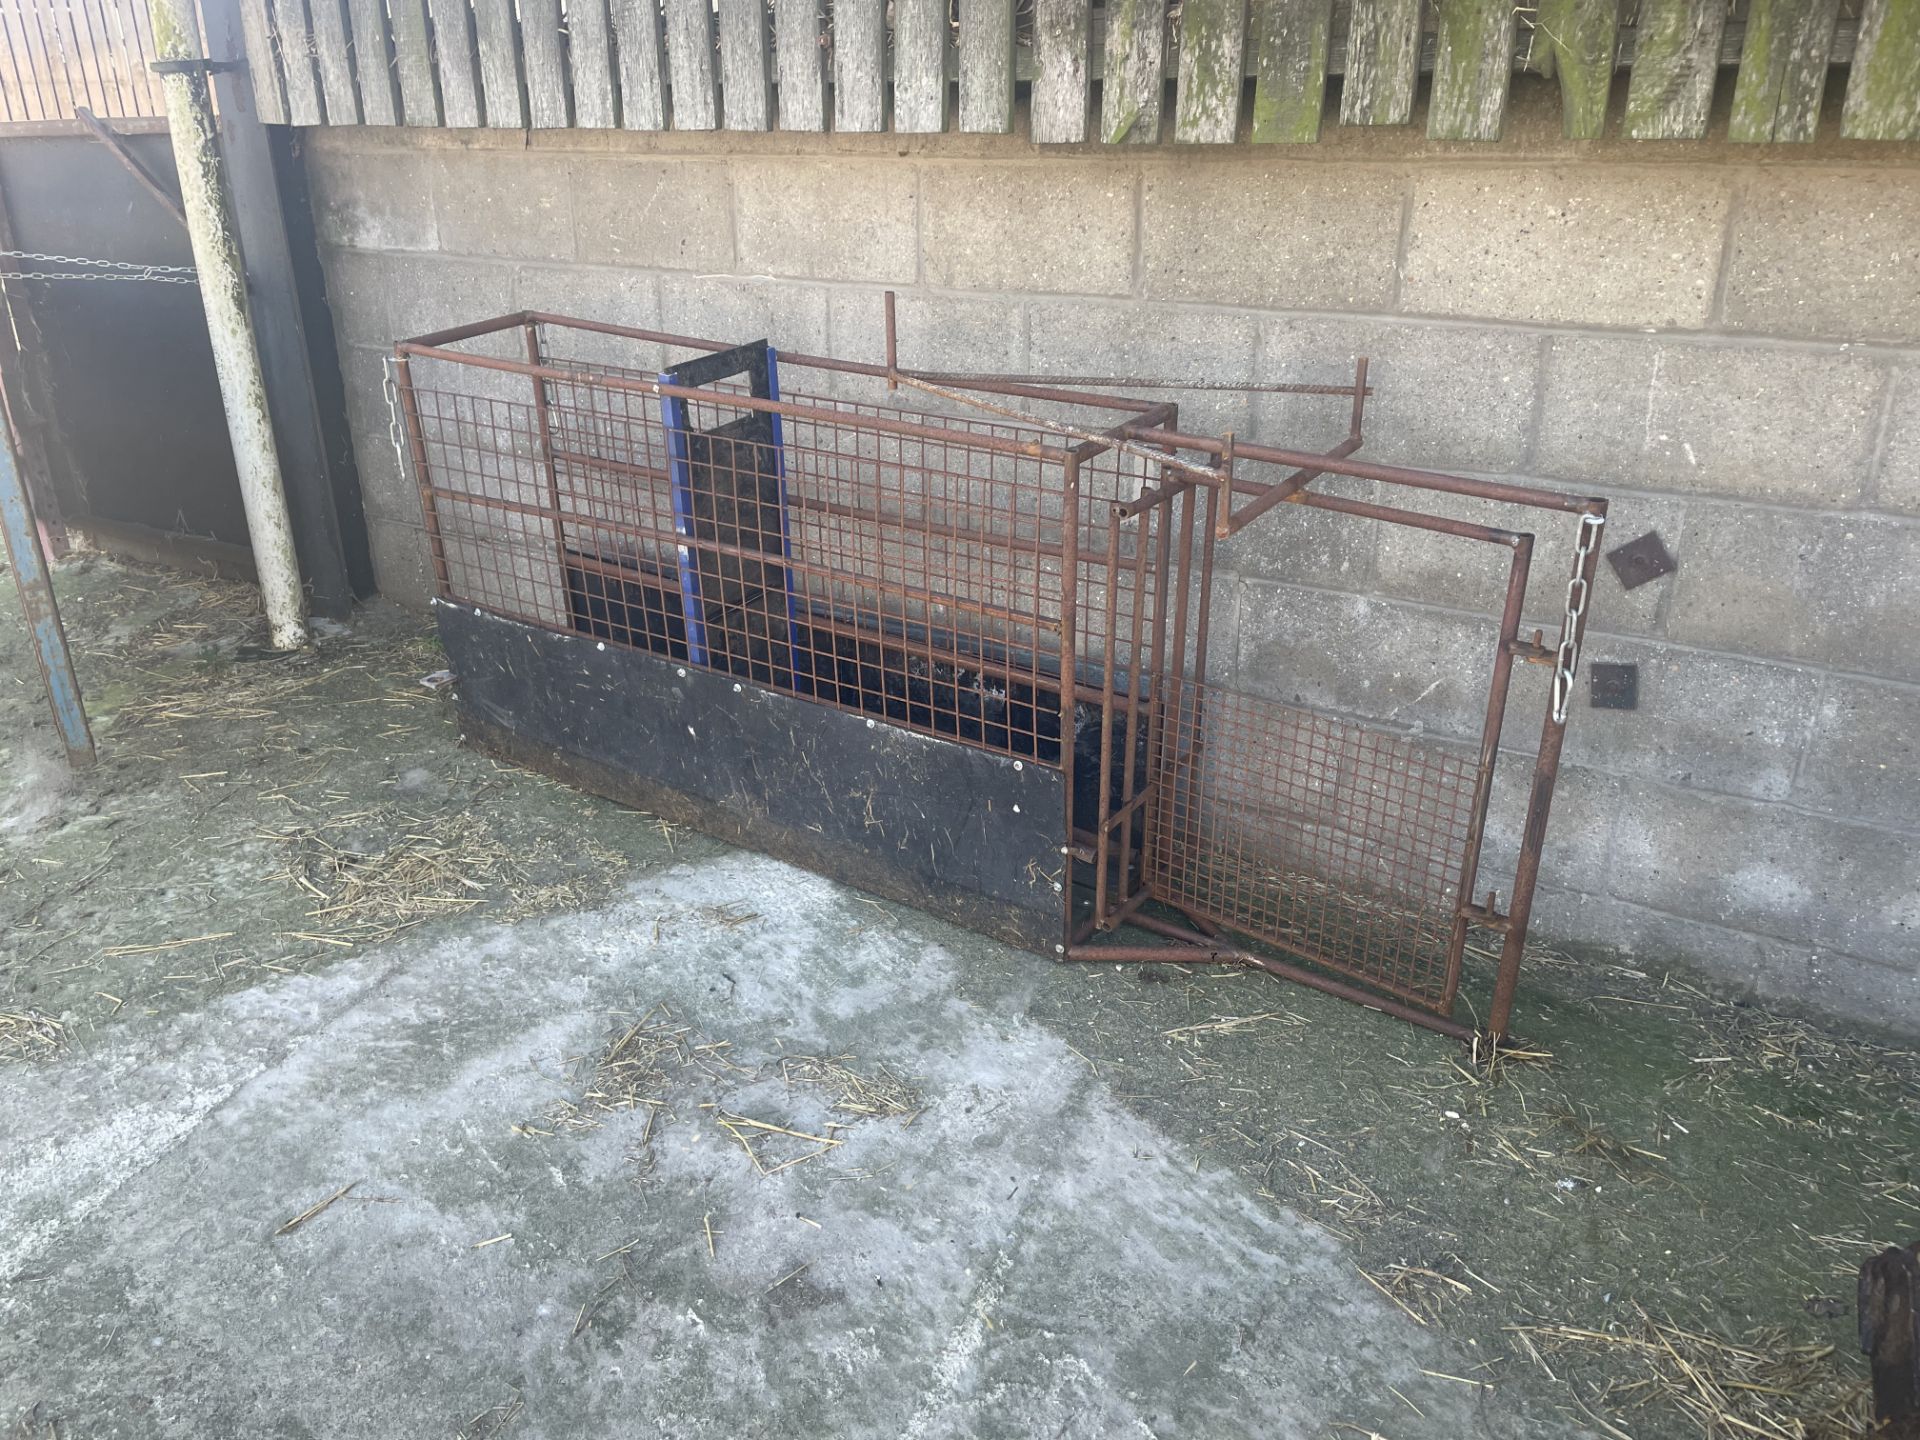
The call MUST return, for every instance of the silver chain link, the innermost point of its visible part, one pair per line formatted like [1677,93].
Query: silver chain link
[391,389]
[1567,660]
[81,267]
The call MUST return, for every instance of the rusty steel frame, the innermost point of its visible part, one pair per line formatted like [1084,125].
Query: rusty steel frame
[1158,548]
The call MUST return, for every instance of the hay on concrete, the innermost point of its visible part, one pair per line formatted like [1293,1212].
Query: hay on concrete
[30,1035]
[1760,1385]
[375,873]
[880,1095]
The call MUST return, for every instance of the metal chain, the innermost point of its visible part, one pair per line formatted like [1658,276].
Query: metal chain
[391,389]
[81,267]
[1567,660]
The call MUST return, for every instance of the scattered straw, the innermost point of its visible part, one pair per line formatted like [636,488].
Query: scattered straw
[1760,1385]
[30,1035]
[312,1210]
[878,1096]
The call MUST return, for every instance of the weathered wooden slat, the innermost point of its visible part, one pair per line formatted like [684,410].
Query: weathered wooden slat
[643,66]
[296,63]
[1060,71]
[1290,63]
[690,53]
[1213,38]
[263,64]
[859,65]
[590,46]
[1676,56]
[457,58]
[1578,40]
[1883,89]
[746,78]
[1783,70]
[1472,69]
[919,66]
[493,25]
[545,65]
[800,57]
[373,63]
[413,63]
[1135,52]
[1383,62]
[986,66]
[334,59]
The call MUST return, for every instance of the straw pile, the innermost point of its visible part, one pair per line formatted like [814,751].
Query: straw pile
[30,1035]
[1760,1385]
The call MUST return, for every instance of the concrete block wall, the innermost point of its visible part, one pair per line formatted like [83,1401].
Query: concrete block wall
[1724,341]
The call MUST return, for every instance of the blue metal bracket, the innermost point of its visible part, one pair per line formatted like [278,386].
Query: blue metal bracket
[42,614]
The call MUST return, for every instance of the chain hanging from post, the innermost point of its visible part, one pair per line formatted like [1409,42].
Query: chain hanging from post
[80,267]
[1567,659]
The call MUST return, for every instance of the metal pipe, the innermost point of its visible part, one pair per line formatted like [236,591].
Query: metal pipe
[42,614]
[223,294]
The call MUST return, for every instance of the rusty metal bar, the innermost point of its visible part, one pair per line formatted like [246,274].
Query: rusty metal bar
[1489,752]
[130,162]
[41,610]
[417,447]
[1546,771]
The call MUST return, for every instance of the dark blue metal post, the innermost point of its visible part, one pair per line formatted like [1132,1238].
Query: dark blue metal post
[43,616]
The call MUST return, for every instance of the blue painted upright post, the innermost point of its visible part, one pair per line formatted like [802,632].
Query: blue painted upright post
[43,616]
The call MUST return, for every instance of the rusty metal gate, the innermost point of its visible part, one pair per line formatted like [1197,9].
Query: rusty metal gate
[959,654]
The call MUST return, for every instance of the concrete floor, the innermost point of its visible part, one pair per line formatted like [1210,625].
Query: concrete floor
[1139,1202]
[1026,1257]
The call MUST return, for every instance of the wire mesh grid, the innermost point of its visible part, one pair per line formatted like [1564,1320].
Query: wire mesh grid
[916,577]
[1320,836]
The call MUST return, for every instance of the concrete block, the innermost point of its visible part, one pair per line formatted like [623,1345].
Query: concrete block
[1824,253]
[1579,829]
[379,200]
[664,214]
[1444,397]
[1371,659]
[792,316]
[1863,757]
[402,565]
[1306,546]
[1472,575]
[934,332]
[616,297]
[827,220]
[1836,590]
[1735,726]
[378,299]
[1846,888]
[1276,237]
[1128,341]
[1580,246]
[1898,484]
[1059,228]
[1789,426]
[515,204]
[1738,963]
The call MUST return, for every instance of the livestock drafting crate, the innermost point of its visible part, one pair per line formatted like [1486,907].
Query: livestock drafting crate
[959,654]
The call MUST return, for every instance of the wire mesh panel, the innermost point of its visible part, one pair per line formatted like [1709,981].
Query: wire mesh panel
[1037,586]
[1339,843]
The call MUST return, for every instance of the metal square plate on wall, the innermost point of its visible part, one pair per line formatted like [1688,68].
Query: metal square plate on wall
[1639,561]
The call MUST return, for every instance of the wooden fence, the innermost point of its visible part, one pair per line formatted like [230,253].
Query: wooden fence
[1092,71]
[58,57]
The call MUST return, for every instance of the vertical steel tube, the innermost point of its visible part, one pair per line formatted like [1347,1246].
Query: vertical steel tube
[42,614]
[1489,751]
[223,293]
[1533,836]
[417,450]
[1069,677]
[545,426]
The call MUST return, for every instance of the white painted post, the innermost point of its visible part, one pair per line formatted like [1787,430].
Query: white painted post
[223,293]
